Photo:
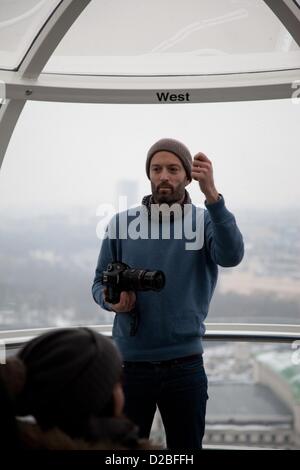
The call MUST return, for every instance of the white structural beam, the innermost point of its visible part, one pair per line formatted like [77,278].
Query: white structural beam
[50,36]
[288,12]
[33,63]
[159,90]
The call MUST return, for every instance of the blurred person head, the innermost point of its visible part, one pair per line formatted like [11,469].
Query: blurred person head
[12,379]
[73,377]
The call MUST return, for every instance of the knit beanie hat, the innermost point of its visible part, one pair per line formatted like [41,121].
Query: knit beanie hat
[173,146]
[70,375]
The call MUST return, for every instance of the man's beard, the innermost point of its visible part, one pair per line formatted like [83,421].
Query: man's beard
[170,196]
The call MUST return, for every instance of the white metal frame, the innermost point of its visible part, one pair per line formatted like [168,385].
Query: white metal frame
[155,90]
[33,63]
[288,11]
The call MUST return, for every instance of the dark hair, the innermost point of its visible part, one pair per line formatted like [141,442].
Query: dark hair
[12,379]
[71,374]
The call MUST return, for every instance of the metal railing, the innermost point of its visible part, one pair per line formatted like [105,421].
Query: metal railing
[256,332]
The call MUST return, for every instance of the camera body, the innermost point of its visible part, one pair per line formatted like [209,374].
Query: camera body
[120,277]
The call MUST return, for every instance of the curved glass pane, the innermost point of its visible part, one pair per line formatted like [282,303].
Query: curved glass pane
[20,21]
[172,37]
[260,385]
[68,165]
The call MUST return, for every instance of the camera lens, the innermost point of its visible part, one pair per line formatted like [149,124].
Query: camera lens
[154,280]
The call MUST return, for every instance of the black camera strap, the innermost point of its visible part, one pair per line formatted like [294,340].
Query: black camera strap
[134,322]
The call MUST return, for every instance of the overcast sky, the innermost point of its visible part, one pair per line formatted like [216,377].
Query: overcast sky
[66,155]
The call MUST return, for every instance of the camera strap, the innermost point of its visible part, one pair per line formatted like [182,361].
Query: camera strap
[134,322]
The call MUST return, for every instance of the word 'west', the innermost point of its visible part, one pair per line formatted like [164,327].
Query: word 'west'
[167,96]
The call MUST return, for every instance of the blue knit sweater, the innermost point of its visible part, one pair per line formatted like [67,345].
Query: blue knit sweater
[171,322]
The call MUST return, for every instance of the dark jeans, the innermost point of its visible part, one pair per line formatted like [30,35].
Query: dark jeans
[179,389]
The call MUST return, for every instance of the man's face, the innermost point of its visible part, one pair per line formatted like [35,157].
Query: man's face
[168,178]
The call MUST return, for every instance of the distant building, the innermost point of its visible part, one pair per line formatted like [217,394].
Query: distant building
[127,189]
[280,371]
[254,398]
[248,415]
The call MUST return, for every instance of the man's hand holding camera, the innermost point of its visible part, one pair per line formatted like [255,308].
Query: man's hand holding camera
[120,283]
[202,171]
[126,304]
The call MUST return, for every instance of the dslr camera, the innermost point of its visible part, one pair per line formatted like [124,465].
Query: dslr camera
[120,277]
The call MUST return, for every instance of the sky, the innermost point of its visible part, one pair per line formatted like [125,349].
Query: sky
[63,156]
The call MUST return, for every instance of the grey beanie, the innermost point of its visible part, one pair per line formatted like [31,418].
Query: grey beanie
[173,146]
[70,375]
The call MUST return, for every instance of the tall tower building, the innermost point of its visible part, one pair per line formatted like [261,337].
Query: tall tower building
[126,193]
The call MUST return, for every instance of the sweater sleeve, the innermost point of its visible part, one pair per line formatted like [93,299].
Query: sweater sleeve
[107,255]
[223,239]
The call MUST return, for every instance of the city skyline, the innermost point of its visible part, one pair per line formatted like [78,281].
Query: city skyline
[57,253]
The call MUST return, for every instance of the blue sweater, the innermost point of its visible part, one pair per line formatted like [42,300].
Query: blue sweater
[171,322]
